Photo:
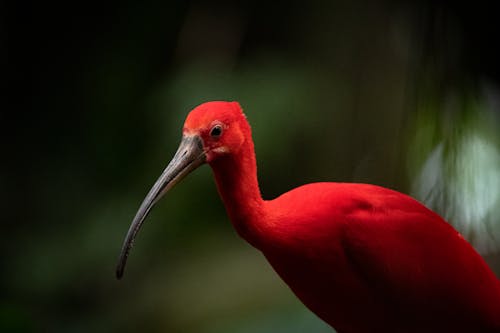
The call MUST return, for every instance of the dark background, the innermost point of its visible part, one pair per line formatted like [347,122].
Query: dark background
[404,94]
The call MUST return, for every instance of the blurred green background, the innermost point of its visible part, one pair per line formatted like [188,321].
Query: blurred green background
[403,94]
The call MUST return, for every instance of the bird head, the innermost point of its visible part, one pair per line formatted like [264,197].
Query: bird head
[218,125]
[211,130]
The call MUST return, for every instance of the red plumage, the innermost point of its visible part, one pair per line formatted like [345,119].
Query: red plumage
[368,259]
[362,257]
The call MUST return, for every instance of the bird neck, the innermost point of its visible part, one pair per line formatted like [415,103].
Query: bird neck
[236,178]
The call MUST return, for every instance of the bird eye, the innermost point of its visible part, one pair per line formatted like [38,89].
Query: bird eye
[216,131]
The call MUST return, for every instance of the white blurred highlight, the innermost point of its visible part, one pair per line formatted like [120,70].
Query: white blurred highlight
[463,185]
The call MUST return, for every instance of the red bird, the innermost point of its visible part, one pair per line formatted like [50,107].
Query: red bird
[362,257]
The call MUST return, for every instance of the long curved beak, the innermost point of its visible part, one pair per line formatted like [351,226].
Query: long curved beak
[188,157]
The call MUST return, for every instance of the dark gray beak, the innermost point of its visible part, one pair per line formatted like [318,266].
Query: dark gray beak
[188,157]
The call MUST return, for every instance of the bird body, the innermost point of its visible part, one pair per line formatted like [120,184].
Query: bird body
[362,257]
[365,259]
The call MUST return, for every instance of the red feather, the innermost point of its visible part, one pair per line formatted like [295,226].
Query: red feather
[362,257]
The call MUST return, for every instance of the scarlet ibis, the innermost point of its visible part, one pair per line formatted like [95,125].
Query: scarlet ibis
[362,257]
